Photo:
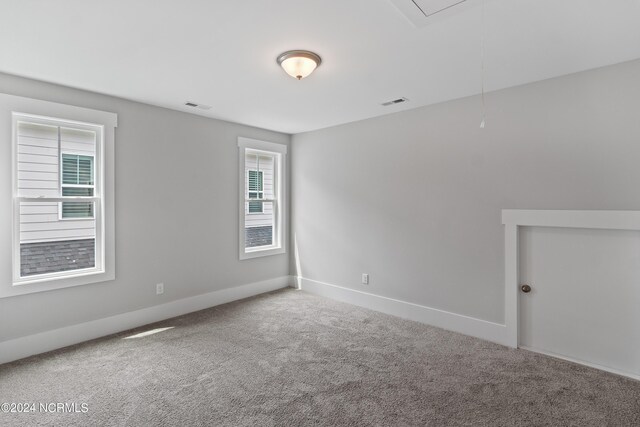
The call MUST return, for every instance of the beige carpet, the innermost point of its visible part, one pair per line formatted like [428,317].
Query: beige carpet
[289,358]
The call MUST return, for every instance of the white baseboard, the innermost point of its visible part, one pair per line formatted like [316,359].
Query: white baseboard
[19,348]
[466,325]
[582,362]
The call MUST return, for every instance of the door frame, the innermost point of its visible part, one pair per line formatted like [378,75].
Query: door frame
[512,219]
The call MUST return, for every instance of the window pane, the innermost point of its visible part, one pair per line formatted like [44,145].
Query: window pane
[77,169]
[255,207]
[255,180]
[69,169]
[259,215]
[57,162]
[259,224]
[77,191]
[85,170]
[48,245]
[77,210]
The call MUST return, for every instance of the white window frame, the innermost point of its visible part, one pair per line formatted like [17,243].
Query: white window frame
[16,109]
[279,200]
[72,153]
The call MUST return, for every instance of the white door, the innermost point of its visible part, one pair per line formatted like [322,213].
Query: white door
[584,302]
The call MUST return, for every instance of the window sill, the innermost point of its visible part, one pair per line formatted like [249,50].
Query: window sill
[50,283]
[257,253]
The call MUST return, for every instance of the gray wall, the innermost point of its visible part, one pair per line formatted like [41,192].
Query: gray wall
[414,198]
[176,214]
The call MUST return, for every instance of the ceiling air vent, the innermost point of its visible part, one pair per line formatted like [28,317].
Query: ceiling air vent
[395,101]
[419,10]
[200,106]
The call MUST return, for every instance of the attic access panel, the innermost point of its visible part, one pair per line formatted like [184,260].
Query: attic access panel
[431,7]
[419,11]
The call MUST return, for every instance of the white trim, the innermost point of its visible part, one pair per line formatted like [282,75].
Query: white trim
[582,362]
[472,326]
[70,114]
[280,234]
[511,246]
[514,218]
[19,348]
[613,220]
[59,199]
[293,282]
[70,219]
[256,144]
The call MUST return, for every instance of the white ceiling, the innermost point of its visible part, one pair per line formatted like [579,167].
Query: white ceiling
[223,53]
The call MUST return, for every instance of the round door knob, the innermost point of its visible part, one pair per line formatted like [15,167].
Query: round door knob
[525,288]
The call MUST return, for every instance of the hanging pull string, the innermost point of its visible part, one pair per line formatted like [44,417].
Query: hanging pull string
[484,113]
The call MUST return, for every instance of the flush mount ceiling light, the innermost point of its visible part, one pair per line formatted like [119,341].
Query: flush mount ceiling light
[299,63]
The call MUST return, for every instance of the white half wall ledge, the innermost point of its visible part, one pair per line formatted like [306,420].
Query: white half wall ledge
[611,220]
[478,328]
[42,342]
[514,218]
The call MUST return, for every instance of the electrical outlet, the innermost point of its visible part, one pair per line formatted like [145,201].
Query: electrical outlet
[365,278]
[159,288]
